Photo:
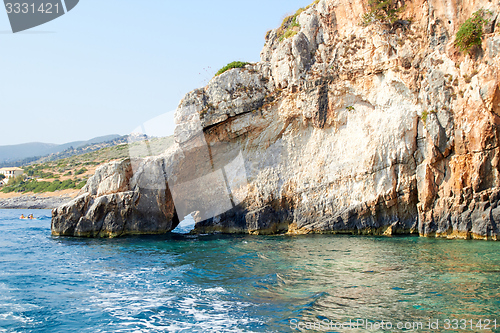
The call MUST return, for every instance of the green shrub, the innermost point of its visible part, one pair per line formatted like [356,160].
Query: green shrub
[38,172]
[288,34]
[286,29]
[43,186]
[14,185]
[79,172]
[470,33]
[16,181]
[384,11]
[234,64]
[38,187]
[424,116]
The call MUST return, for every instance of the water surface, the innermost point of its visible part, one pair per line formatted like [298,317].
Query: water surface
[185,283]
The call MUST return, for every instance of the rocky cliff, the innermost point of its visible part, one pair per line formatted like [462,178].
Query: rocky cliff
[341,128]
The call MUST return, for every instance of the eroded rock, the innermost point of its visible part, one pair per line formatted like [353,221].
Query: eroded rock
[339,129]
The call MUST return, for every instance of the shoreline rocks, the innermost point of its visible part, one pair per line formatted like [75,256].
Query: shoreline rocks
[34,202]
[121,207]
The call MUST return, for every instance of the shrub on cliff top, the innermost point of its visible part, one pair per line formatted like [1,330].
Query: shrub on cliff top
[287,26]
[231,65]
[470,33]
[286,29]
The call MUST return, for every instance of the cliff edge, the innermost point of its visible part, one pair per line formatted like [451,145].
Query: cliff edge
[340,128]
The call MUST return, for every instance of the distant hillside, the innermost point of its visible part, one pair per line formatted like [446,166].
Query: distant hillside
[83,149]
[72,172]
[16,152]
[22,154]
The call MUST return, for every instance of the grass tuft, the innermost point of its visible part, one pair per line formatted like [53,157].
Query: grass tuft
[287,28]
[231,65]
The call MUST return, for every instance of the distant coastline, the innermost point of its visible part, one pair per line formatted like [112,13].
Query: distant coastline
[36,201]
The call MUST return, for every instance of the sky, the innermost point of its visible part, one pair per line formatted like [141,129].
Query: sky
[109,66]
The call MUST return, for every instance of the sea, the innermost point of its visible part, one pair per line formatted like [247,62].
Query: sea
[242,283]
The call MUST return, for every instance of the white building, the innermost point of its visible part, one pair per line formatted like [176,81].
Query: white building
[11,173]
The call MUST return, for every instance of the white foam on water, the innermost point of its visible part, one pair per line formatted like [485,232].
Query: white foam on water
[167,308]
[185,226]
[11,316]
[216,290]
[11,309]
[156,298]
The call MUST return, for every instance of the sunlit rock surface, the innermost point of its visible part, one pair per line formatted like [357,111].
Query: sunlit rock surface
[339,129]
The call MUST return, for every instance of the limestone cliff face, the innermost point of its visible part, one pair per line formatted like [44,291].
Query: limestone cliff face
[339,129]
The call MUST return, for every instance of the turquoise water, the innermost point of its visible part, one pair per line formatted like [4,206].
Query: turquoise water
[183,283]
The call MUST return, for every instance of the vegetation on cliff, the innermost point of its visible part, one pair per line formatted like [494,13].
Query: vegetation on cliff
[425,115]
[471,32]
[231,65]
[383,11]
[286,29]
[289,27]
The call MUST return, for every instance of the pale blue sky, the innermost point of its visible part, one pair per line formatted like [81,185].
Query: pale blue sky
[108,66]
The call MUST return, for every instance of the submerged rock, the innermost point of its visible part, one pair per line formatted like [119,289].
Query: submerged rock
[339,129]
